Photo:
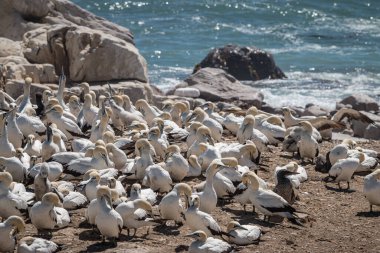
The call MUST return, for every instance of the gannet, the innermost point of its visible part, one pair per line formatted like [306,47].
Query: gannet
[158,143]
[351,114]
[33,147]
[135,214]
[15,167]
[99,161]
[115,184]
[205,244]
[243,234]
[59,142]
[12,226]
[23,157]
[10,203]
[176,112]
[195,169]
[30,125]
[66,157]
[145,159]
[367,165]
[268,202]
[198,220]
[232,123]
[214,126]
[90,185]
[125,117]
[49,147]
[74,105]
[81,144]
[148,111]
[284,186]
[32,244]
[15,135]
[66,113]
[273,132]
[248,132]
[145,194]
[209,108]
[100,126]
[109,137]
[192,133]
[55,170]
[118,156]
[25,105]
[247,154]
[4,104]
[6,148]
[343,170]
[48,213]
[307,146]
[90,112]
[73,200]
[66,125]
[157,179]
[108,221]
[176,164]
[297,179]
[371,188]
[208,153]
[128,106]
[42,183]
[93,208]
[171,206]
[339,151]
[233,170]
[290,120]
[208,196]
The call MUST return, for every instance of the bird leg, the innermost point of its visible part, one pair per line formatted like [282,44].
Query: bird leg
[340,188]
[348,185]
[370,208]
[113,240]
[147,231]
[134,232]
[244,208]
[128,231]
[103,238]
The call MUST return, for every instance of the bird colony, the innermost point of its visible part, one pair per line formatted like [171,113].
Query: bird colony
[130,167]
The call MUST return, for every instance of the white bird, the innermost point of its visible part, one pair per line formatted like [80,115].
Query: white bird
[33,146]
[148,111]
[195,169]
[243,234]
[307,146]
[192,133]
[66,157]
[135,214]
[248,132]
[73,200]
[232,123]
[48,213]
[93,208]
[145,159]
[81,144]
[25,105]
[74,105]
[90,112]
[176,112]
[209,108]
[15,167]
[159,144]
[268,202]
[99,161]
[176,164]
[290,120]
[100,126]
[205,244]
[208,197]
[198,220]
[274,132]
[343,170]
[367,165]
[208,153]
[157,179]
[295,179]
[30,125]
[214,126]
[91,185]
[49,147]
[42,183]
[339,151]
[6,148]
[118,156]
[30,244]
[15,135]
[146,194]
[9,228]
[124,118]
[55,170]
[108,221]
[10,203]
[371,188]
[171,206]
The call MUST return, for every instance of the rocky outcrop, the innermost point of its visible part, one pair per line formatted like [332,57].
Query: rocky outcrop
[52,35]
[217,85]
[244,63]
[361,102]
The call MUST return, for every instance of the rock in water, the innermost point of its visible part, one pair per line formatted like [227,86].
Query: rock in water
[244,63]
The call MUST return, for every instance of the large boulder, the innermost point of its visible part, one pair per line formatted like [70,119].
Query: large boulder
[372,131]
[32,9]
[96,56]
[361,102]
[244,63]
[217,85]
[10,48]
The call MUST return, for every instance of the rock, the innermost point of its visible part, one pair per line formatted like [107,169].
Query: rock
[372,131]
[244,63]
[187,92]
[361,102]
[36,47]
[32,9]
[14,88]
[40,73]
[10,48]
[216,85]
[96,56]
[13,60]
[315,110]
[270,109]
[358,127]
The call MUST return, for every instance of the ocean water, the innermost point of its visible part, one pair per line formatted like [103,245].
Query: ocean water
[327,49]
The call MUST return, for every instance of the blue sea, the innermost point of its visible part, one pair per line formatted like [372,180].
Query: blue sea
[328,49]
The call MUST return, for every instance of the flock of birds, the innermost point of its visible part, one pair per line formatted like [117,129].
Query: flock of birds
[57,156]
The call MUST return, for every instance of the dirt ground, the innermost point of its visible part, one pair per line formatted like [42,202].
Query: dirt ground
[339,221]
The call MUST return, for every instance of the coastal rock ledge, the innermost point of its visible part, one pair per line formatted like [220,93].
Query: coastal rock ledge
[39,38]
[217,85]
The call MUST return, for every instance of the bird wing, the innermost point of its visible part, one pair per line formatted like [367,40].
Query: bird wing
[351,114]
[273,202]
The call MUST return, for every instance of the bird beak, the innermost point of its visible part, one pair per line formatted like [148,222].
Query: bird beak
[244,127]
[241,227]
[209,138]
[192,235]
[105,159]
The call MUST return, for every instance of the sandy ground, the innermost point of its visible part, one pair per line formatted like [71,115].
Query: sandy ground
[339,221]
